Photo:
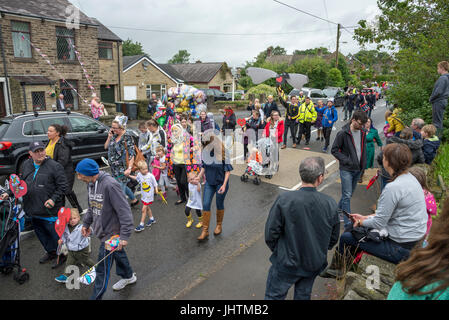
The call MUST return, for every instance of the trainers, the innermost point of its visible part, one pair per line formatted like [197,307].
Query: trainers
[139,228]
[150,222]
[124,282]
[325,150]
[62,279]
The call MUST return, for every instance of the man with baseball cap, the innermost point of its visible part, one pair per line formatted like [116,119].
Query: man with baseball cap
[47,184]
[108,215]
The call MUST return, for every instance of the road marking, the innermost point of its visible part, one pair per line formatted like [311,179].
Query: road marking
[300,184]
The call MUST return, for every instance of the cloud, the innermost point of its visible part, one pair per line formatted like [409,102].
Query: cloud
[235,16]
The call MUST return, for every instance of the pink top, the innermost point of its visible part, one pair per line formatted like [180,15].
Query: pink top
[96,109]
[431,208]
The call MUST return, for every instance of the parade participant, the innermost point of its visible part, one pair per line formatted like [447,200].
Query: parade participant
[431,143]
[372,137]
[330,116]
[195,201]
[59,148]
[350,150]
[120,146]
[152,105]
[258,107]
[395,124]
[217,170]
[184,121]
[270,106]
[439,96]
[291,114]
[423,276]
[156,137]
[148,185]
[401,211]
[301,97]
[77,245]
[108,215]
[47,184]
[251,134]
[228,128]
[307,116]
[163,180]
[301,227]
[319,120]
[274,130]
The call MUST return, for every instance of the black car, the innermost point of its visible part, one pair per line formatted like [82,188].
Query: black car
[217,94]
[18,130]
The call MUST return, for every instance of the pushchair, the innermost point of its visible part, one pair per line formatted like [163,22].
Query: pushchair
[254,169]
[11,225]
[258,162]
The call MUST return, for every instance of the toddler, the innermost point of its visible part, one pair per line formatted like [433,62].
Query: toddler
[194,201]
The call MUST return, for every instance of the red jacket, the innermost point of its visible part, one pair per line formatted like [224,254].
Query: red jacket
[280,130]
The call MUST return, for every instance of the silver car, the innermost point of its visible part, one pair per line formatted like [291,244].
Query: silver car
[314,94]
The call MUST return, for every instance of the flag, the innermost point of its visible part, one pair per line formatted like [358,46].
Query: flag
[89,277]
[64,215]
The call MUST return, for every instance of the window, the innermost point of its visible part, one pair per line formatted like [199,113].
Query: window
[64,40]
[107,94]
[38,100]
[158,89]
[105,50]
[227,87]
[130,93]
[83,125]
[21,37]
[70,96]
[49,121]
[33,128]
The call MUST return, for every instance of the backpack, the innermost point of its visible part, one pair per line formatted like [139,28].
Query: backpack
[386,133]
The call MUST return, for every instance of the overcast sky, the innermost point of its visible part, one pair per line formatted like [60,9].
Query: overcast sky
[230,17]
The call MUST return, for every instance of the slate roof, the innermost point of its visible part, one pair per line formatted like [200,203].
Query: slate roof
[196,72]
[104,33]
[128,61]
[48,9]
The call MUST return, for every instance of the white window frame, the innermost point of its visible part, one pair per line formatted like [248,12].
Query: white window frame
[162,91]
[130,93]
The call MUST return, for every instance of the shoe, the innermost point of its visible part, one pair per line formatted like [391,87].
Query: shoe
[179,202]
[124,282]
[150,222]
[325,150]
[60,262]
[332,273]
[318,139]
[284,146]
[218,228]
[62,279]
[205,231]
[139,228]
[322,138]
[307,143]
[200,223]
[189,221]
[133,204]
[294,145]
[47,257]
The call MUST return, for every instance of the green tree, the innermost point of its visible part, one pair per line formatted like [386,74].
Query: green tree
[315,68]
[183,56]
[342,66]
[131,48]
[335,78]
[314,51]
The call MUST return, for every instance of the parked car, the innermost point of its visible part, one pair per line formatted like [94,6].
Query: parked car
[336,95]
[238,95]
[217,94]
[369,91]
[314,94]
[17,131]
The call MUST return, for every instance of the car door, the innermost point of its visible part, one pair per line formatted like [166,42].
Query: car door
[89,137]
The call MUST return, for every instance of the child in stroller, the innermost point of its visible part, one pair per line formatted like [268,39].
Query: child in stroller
[254,167]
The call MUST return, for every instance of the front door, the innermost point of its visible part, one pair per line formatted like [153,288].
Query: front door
[2,102]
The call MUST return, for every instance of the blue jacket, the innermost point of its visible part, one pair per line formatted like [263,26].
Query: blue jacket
[328,115]
[430,148]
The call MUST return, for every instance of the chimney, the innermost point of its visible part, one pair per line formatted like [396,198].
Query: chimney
[269,50]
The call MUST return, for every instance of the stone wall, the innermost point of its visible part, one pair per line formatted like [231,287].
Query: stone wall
[219,81]
[109,69]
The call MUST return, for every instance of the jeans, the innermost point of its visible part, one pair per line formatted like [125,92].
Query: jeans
[349,180]
[127,191]
[349,110]
[293,125]
[46,233]
[208,195]
[278,284]
[327,136]
[103,270]
[386,249]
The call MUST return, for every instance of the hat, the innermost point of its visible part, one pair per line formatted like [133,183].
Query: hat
[36,145]
[87,167]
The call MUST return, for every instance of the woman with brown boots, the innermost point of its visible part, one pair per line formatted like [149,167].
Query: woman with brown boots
[217,171]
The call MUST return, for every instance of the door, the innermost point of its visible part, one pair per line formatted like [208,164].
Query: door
[89,142]
[214,87]
[2,101]
[107,94]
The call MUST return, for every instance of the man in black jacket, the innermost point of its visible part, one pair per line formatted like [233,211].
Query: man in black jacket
[269,107]
[152,104]
[350,150]
[301,227]
[291,113]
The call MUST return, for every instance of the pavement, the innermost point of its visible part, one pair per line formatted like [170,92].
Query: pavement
[171,264]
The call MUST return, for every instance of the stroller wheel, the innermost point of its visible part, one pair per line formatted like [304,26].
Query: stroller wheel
[256,181]
[242,177]
[21,277]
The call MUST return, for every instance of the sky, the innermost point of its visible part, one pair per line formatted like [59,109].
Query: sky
[254,25]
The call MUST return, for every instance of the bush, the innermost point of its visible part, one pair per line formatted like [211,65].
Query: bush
[234,104]
[262,89]
[441,163]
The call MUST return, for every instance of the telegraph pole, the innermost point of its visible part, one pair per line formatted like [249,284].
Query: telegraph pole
[338,42]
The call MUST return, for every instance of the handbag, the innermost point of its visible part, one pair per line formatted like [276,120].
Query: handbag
[137,158]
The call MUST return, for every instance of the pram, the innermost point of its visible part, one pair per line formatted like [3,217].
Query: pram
[260,163]
[11,225]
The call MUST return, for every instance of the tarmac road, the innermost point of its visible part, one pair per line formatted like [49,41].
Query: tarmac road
[169,261]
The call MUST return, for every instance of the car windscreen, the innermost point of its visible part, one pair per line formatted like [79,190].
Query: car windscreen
[330,92]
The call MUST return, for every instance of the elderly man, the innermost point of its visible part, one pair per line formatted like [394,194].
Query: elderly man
[60,105]
[270,106]
[417,125]
[47,185]
[152,104]
[301,227]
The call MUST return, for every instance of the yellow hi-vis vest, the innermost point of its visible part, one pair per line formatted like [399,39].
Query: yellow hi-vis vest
[307,113]
[301,100]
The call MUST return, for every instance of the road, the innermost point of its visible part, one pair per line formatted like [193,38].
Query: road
[167,258]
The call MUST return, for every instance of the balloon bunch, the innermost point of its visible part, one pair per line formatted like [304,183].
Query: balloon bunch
[186,99]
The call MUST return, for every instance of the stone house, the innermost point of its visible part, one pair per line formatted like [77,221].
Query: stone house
[30,81]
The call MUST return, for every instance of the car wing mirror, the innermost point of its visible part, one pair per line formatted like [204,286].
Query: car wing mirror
[101,130]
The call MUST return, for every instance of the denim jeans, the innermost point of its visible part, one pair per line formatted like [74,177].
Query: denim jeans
[45,232]
[386,250]
[349,180]
[127,191]
[208,195]
[278,284]
[103,270]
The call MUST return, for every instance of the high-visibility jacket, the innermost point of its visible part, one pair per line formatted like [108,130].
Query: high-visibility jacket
[301,100]
[307,113]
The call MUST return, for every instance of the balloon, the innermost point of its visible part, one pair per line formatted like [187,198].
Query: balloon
[184,103]
[161,121]
[164,99]
[179,110]
[200,97]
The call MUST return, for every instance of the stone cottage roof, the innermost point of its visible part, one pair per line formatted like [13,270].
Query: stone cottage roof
[196,72]
[54,9]
[104,33]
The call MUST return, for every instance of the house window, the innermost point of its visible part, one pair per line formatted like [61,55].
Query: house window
[158,89]
[38,100]
[21,37]
[70,96]
[105,50]
[64,40]
[107,94]
[227,87]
